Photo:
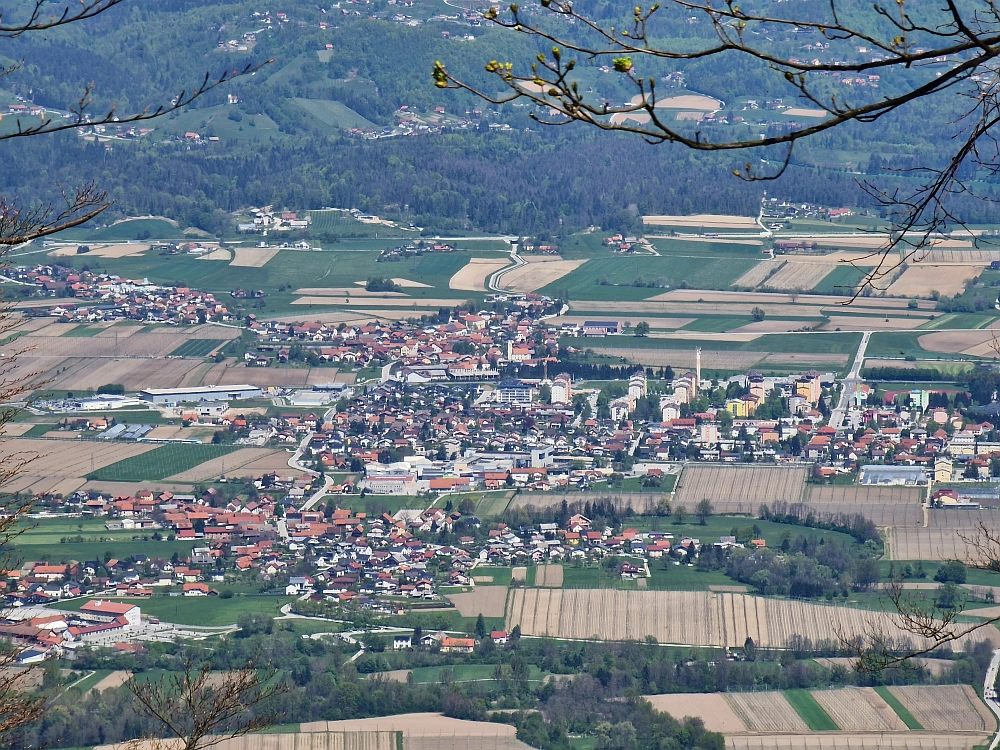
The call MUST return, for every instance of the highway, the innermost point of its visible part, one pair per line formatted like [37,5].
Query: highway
[850,384]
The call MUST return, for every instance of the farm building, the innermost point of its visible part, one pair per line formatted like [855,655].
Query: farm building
[601,327]
[173,396]
[105,402]
[103,611]
[894,475]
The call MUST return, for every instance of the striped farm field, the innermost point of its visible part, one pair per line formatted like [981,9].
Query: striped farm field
[692,618]
[488,601]
[858,710]
[857,741]
[798,275]
[745,486]
[759,273]
[351,740]
[945,707]
[550,576]
[766,712]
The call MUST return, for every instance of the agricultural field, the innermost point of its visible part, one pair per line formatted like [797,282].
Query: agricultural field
[712,708]
[61,465]
[253,257]
[799,275]
[488,601]
[63,539]
[759,273]
[708,221]
[640,502]
[766,712]
[165,461]
[921,280]
[614,278]
[244,462]
[942,538]
[856,498]
[372,739]
[842,278]
[473,276]
[198,347]
[537,273]
[746,487]
[204,611]
[427,726]
[214,121]
[102,251]
[694,618]
[335,116]
[343,224]
[857,741]
[858,710]
[549,576]
[946,707]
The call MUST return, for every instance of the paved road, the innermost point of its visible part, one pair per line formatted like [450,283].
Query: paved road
[850,384]
[991,678]
[493,284]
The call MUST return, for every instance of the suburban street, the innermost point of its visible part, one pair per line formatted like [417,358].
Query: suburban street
[850,384]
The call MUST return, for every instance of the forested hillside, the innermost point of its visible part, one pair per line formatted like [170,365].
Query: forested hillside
[360,65]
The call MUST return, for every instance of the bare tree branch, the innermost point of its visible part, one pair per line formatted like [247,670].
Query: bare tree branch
[202,708]
[969,42]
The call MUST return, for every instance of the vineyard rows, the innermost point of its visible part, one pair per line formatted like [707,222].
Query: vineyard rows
[695,618]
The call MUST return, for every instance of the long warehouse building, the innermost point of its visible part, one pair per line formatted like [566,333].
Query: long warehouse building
[170,396]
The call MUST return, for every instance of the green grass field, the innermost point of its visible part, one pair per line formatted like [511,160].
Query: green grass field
[841,279]
[467,673]
[41,540]
[501,576]
[960,320]
[378,504]
[493,504]
[700,271]
[811,343]
[199,610]
[340,265]
[331,116]
[130,229]
[197,347]
[161,462]
[716,323]
[901,344]
[894,703]
[82,331]
[343,224]
[214,121]
[810,711]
